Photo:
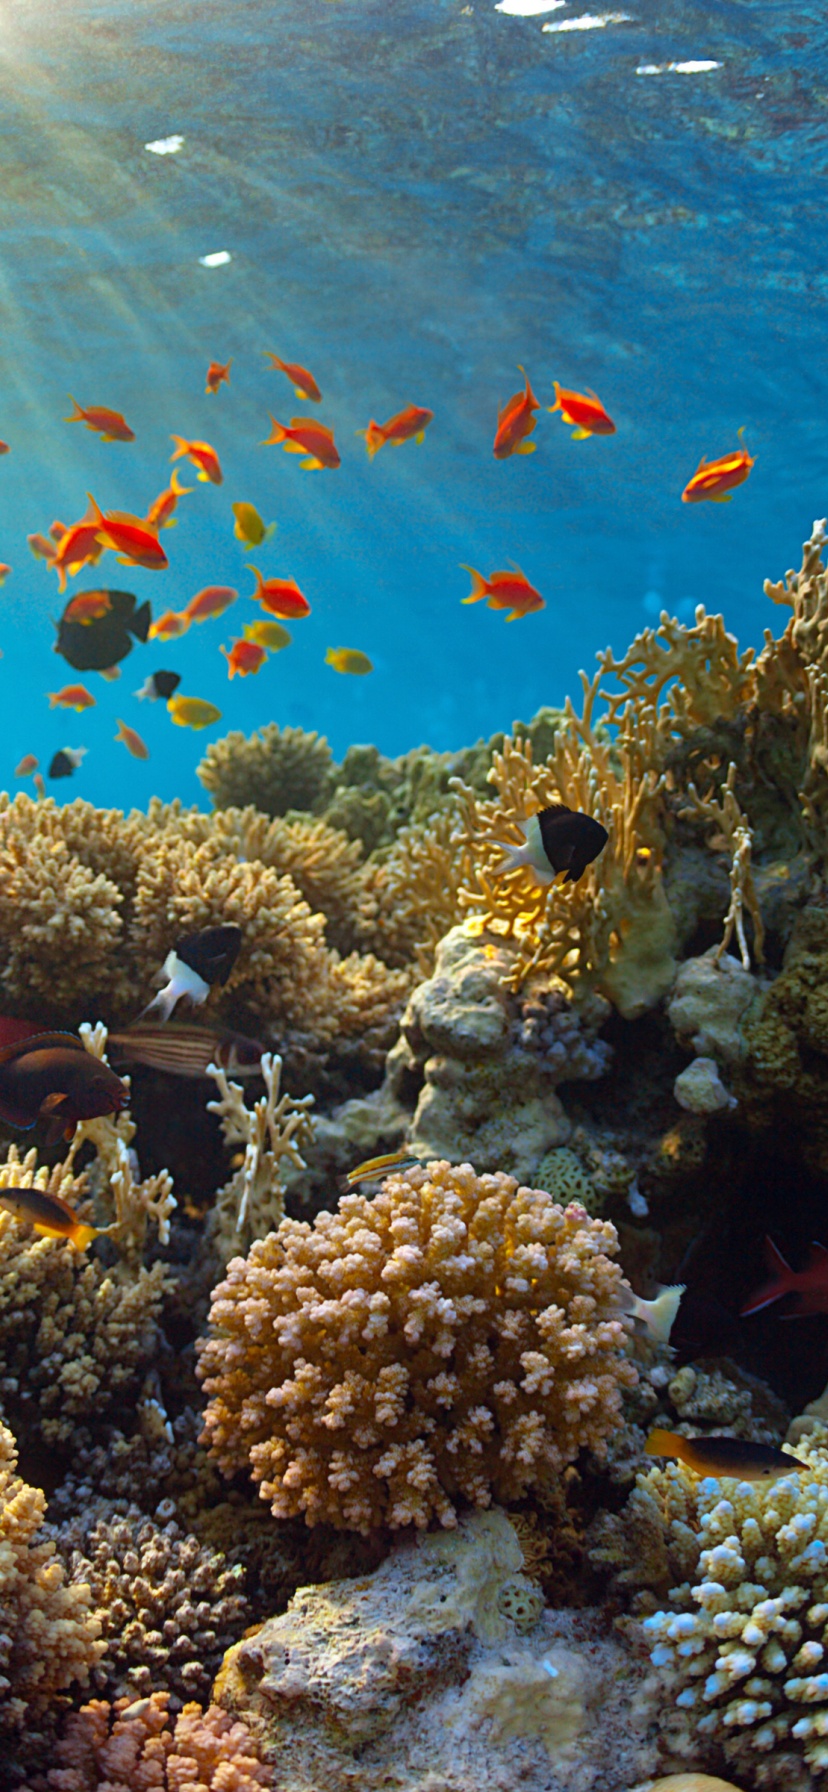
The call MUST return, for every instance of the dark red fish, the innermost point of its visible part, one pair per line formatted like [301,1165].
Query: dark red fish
[51,1076]
[810,1285]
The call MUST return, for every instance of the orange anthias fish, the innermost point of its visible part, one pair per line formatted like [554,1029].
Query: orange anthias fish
[130,537]
[216,372]
[169,626]
[212,601]
[305,437]
[41,547]
[505,591]
[303,383]
[77,546]
[810,1285]
[715,479]
[132,741]
[244,657]
[88,607]
[413,421]
[585,410]
[515,422]
[110,425]
[28,764]
[73,696]
[202,456]
[160,513]
[280,597]
[4,448]
[4,572]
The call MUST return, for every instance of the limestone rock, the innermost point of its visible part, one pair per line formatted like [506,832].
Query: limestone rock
[700,1090]
[687,1782]
[462,1011]
[710,1000]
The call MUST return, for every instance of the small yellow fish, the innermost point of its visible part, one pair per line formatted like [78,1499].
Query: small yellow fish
[49,1215]
[731,1458]
[267,634]
[193,712]
[250,527]
[374,1168]
[349,659]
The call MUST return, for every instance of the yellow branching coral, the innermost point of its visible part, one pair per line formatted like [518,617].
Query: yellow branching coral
[456,1336]
[48,1631]
[276,1127]
[410,898]
[130,1202]
[324,864]
[60,922]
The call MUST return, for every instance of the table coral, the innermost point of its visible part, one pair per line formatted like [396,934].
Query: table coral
[49,1635]
[134,1745]
[456,1336]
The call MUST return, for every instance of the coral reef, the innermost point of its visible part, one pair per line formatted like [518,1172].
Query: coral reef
[252,1202]
[275,769]
[353,1364]
[133,1745]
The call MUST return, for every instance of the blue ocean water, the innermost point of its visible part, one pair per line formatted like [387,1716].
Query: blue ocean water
[416,196]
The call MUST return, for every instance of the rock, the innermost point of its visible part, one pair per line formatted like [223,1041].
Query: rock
[417,1677]
[700,1090]
[710,1000]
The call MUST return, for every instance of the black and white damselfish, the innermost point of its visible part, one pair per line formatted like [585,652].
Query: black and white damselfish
[556,840]
[196,963]
[159,684]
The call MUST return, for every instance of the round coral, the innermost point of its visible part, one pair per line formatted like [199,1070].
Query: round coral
[455,1337]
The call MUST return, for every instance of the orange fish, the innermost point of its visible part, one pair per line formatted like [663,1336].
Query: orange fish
[88,607]
[505,591]
[244,657]
[217,372]
[160,513]
[4,448]
[714,479]
[132,741]
[4,572]
[77,546]
[202,456]
[515,422]
[212,601]
[303,383]
[583,409]
[279,597]
[73,696]
[27,765]
[111,426]
[41,547]
[305,437]
[169,626]
[39,785]
[130,537]
[413,421]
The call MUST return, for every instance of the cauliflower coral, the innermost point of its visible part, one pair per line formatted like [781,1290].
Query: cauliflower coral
[455,1337]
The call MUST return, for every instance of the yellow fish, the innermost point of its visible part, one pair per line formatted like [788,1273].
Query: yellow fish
[49,1215]
[267,634]
[729,1458]
[374,1168]
[193,712]
[249,526]
[348,659]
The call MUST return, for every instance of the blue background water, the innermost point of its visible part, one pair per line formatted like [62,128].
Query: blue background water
[416,197]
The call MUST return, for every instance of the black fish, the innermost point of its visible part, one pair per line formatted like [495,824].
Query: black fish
[94,646]
[51,1076]
[159,684]
[196,962]
[66,761]
[556,839]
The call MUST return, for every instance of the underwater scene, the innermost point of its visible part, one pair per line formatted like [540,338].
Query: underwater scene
[413,896]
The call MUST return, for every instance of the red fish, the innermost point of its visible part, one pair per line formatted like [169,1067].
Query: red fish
[111,426]
[28,764]
[212,601]
[303,383]
[280,597]
[77,546]
[413,421]
[160,513]
[73,696]
[515,422]
[132,741]
[305,437]
[169,626]
[88,607]
[4,572]
[715,479]
[505,591]
[216,372]
[4,448]
[810,1285]
[244,657]
[202,456]
[130,537]
[585,410]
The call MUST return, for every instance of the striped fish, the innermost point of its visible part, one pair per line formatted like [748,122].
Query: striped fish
[374,1168]
[184,1050]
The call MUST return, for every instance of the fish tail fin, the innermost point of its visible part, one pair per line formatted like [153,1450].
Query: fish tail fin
[81,1237]
[780,1283]
[269,531]
[54,699]
[373,438]
[94,512]
[557,406]
[161,1005]
[181,446]
[121,734]
[259,580]
[278,433]
[479,587]
[514,857]
[175,483]
[662,1443]
[77,412]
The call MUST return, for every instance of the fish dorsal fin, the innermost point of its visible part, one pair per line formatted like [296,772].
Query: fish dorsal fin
[774,1258]
[818,1257]
[40,1042]
[556,809]
[308,423]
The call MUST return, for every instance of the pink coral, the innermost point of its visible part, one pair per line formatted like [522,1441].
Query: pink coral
[133,1748]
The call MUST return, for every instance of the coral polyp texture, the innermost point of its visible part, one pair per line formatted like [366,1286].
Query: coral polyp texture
[456,1337]
[137,1746]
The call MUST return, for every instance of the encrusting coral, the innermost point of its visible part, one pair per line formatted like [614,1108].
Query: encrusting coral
[49,1634]
[355,1366]
[135,1746]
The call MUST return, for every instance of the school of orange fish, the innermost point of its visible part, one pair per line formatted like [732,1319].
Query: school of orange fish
[68,548]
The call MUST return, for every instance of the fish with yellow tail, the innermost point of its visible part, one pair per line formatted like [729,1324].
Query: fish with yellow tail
[556,840]
[374,1168]
[49,1215]
[725,1458]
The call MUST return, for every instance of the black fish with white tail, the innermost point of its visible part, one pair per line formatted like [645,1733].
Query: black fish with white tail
[52,1077]
[556,840]
[66,761]
[197,962]
[181,1049]
[159,684]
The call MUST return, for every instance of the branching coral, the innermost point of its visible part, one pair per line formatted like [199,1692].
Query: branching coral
[454,1336]
[134,1745]
[252,1202]
[732,834]
[48,1631]
[130,1203]
[275,769]
[410,898]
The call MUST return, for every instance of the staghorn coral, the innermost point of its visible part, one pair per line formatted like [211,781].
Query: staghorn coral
[275,769]
[134,1745]
[354,1366]
[48,1631]
[129,1202]
[252,1202]
[168,1607]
